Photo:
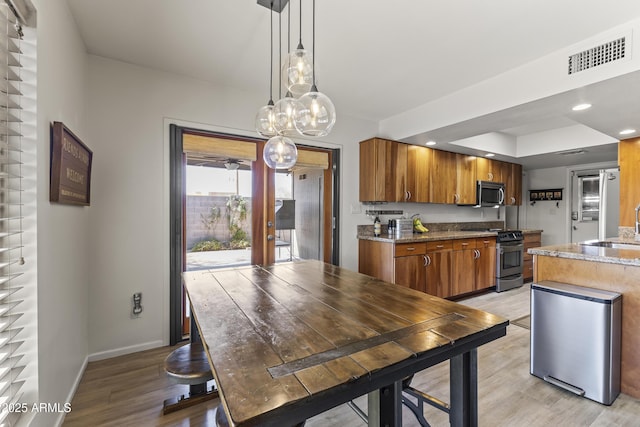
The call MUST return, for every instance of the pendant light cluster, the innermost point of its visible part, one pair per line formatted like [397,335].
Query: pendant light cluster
[302,111]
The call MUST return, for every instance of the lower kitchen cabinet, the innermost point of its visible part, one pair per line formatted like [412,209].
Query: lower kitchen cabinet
[444,268]
[464,266]
[485,267]
[438,267]
[531,240]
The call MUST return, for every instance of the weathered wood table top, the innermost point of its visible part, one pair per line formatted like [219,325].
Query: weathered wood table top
[289,341]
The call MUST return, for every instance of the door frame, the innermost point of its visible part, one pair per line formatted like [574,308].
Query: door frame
[262,211]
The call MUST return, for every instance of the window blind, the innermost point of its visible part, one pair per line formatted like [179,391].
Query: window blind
[12,360]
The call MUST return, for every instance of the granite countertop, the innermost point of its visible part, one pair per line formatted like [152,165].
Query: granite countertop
[433,235]
[593,253]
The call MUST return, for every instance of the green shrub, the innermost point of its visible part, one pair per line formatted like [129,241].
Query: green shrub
[207,245]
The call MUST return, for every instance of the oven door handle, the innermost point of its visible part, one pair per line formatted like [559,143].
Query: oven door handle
[511,248]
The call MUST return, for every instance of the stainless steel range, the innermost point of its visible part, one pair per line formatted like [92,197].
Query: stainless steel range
[509,259]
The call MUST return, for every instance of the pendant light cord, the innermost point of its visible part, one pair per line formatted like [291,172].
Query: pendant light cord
[280,55]
[300,40]
[313,45]
[271,57]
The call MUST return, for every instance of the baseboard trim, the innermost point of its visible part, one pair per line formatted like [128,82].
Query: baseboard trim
[73,390]
[124,350]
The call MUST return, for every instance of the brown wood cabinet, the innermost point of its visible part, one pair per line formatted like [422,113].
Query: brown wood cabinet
[485,266]
[445,268]
[629,160]
[383,171]
[418,173]
[465,179]
[443,177]
[392,171]
[463,271]
[409,265]
[488,169]
[513,184]
[438,277]
[531,240]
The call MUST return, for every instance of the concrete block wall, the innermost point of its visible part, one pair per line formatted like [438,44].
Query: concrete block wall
[198,206]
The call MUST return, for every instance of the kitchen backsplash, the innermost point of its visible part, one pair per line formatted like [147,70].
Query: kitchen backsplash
[366,230]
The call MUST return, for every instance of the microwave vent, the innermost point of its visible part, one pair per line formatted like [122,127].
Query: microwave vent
[598,55]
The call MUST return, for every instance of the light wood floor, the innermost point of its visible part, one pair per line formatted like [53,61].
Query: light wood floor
[129,390]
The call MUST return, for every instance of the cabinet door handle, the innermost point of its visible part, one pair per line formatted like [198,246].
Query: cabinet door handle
[477,254]
[428,259]
[410,249]
[456,198]
[439,246]
[465,244]
[425,260]
[407,195]
[513,200]
[490,175]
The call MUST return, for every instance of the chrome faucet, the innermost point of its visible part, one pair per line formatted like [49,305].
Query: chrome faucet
[638,220]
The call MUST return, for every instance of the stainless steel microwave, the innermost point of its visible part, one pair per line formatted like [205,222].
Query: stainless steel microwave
[489,194]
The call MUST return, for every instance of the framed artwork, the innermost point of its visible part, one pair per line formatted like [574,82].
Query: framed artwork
[70,168]
[540,195]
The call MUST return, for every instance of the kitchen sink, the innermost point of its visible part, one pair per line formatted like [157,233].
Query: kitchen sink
[613,245]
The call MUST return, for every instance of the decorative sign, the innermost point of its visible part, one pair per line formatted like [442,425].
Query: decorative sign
[70,168]
[540,195]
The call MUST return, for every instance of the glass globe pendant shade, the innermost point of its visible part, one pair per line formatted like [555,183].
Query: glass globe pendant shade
[316,114]
[297,72]
[280,153]
[284,115]
[265,121]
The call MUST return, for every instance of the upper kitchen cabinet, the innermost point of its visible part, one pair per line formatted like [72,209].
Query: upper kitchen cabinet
[383,171]
[513,184]
[418,173]
[443,177]
[488,170]
[629,160]
[465,179]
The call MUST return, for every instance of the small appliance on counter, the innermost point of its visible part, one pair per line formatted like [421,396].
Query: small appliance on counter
[403,227]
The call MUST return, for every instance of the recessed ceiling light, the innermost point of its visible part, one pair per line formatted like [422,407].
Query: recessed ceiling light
[581,107]
[489,155]
[627,131]
[430,143]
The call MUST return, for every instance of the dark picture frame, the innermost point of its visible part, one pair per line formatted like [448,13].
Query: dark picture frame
[70,168]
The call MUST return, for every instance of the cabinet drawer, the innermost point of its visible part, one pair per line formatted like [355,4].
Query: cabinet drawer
[461,244]
[485,242]
[404,249]
[530,238]
[440,245]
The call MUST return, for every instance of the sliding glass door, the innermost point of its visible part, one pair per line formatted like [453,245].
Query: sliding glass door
[228,209]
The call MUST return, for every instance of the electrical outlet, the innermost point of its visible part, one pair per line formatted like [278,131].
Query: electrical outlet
[137,305]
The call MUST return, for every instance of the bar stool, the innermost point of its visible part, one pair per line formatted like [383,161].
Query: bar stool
[189,365]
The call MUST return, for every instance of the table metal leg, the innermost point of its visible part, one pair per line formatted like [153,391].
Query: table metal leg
[389,407]
[464,390]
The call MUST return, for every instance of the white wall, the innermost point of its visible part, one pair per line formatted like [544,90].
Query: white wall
[130,109]
[545,215]
[63,231]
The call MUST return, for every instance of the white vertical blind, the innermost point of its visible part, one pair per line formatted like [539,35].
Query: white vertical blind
[12,361]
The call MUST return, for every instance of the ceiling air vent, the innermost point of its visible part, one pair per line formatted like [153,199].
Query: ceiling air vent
[598,55]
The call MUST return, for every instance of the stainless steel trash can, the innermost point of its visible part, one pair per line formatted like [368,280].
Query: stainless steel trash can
[575,339]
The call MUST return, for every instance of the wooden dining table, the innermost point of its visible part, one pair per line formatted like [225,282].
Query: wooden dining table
[289,341]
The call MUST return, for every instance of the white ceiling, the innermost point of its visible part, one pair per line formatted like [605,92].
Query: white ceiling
[376,59]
